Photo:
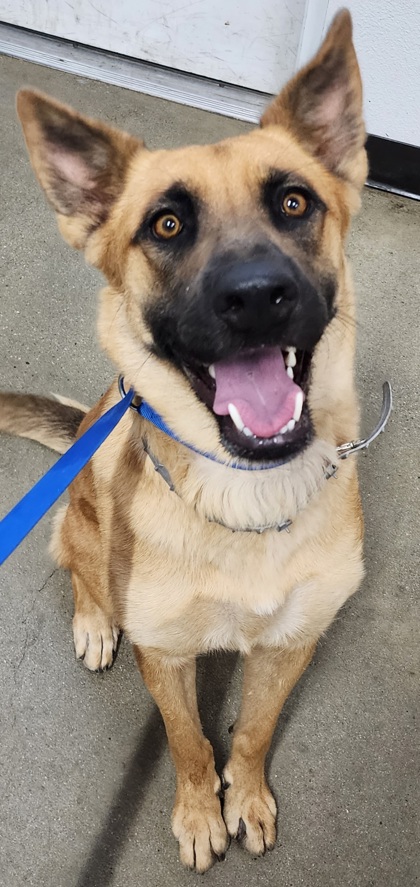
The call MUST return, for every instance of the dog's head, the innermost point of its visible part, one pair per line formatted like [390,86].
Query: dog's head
[225,262]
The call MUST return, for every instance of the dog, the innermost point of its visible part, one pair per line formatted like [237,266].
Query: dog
[229,309]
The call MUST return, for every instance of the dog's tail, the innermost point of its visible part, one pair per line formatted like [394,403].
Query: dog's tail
[52,421]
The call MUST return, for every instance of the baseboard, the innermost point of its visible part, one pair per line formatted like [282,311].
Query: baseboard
[394,166]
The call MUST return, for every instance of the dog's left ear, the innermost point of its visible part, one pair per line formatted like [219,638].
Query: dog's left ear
[80,163]
[322,105]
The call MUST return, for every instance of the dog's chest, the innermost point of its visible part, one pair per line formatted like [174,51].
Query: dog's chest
[228,598]
[188,586]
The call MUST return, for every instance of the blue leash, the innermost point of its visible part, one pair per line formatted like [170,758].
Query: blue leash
[26,514]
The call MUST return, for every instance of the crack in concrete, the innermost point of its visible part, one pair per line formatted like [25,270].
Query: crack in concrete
[48,579]
[28,643]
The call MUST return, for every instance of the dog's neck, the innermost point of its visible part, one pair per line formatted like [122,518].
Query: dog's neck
[257,500]
[242,501]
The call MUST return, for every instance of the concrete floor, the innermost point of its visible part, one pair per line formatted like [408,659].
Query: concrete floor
[86,781]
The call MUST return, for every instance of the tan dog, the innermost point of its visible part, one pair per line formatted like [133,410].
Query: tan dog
[229,309]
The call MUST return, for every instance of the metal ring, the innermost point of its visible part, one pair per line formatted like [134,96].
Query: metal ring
[136,402]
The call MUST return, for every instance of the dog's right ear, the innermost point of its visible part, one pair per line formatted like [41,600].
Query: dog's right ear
[80,163]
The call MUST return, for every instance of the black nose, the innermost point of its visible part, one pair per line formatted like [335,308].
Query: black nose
[254,295]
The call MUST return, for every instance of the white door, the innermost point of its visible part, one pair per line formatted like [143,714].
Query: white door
[387,40]
[251,43]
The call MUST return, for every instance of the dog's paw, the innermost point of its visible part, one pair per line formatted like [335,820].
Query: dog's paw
[95,639]
[198,825]
[249,811]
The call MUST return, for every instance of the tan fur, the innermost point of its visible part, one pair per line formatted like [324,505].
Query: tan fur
[53,423]
[158,564]
[70,402]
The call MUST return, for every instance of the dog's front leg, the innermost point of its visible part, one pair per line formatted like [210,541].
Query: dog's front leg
[250,809]
[196,821]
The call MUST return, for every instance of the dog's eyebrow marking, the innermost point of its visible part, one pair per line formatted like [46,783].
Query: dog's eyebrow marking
[176,193]
[290,178]
[275,176]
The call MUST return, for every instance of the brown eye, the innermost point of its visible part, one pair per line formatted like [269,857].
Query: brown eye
[167,226]
[294,204]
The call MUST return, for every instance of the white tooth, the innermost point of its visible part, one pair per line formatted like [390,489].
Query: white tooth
[291,357]
[298,406]
[247,431]
[235,416]
[211,371]
[289,427]
[289,372]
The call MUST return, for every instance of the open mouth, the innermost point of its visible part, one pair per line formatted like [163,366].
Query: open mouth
[259,398]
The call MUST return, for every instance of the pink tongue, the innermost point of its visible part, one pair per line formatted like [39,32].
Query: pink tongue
[257,384]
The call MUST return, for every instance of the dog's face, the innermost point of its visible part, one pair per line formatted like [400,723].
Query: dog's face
[241,286]
[225,261]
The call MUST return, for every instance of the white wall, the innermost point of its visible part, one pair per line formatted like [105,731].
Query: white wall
[252,43]
[387,39]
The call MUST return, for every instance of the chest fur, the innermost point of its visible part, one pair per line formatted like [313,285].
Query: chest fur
[203,589]
[187,585]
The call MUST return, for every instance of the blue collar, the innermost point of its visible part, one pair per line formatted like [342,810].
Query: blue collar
[148,413]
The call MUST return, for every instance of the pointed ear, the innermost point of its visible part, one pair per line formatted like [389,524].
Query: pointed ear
[80,163]
[322,105]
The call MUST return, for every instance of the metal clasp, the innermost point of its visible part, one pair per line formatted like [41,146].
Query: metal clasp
[354,446]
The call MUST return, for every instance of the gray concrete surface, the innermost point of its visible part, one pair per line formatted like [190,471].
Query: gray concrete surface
[86,781]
